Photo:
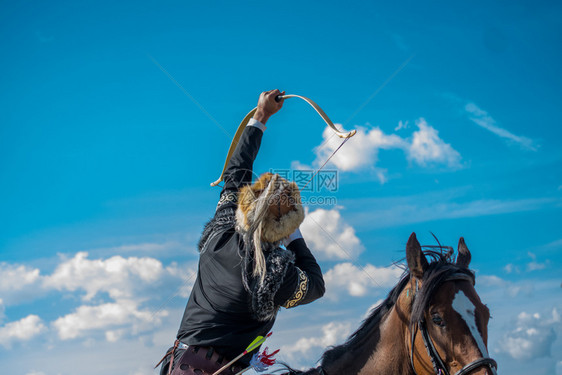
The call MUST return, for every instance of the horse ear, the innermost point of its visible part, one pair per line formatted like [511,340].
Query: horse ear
[464,257]
[415,258]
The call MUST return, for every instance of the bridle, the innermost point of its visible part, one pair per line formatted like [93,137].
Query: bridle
[438,364]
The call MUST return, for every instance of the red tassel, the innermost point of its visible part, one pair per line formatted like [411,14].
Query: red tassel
[266,358]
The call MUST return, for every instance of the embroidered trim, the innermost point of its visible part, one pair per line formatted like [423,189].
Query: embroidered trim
[263,293]
[300,293]
[227,198]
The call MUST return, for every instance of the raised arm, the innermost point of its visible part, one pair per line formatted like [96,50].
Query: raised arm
[240,167]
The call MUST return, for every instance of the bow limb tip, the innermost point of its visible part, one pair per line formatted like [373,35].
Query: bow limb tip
[345,135]
[217,181]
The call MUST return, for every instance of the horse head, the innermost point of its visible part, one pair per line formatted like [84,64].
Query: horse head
[448,323]
[431,323]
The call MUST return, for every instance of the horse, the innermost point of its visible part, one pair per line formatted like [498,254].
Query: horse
[432,322]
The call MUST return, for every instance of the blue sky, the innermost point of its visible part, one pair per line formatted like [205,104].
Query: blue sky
[105,164]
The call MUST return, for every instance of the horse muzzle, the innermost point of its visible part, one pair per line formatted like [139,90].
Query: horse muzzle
[481,362]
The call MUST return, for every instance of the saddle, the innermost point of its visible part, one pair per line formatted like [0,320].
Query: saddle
[196,360]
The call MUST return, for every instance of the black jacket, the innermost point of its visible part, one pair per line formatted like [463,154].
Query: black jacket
[221,312]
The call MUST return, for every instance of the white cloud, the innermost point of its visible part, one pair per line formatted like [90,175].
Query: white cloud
[108,315]
[361,150]
[132,354]
[329,236]
[346,278]
[531,337]
[484,120]
[427,148]
[18,283]
[297,165]
[554,244]
[22,330]
[424,147]
[509,268]
[119,277]
[491,281]
[534,265]
[114,335]
[332,334]
[508,288]
[401,125]
[493,207]
[129,282]
[2,309]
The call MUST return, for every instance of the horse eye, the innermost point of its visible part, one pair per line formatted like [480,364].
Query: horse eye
[438,320]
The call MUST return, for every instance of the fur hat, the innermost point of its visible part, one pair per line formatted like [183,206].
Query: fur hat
[273,201]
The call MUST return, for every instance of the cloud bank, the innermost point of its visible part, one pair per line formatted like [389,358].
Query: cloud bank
[531,337]
[21,330]
[332,333]
[424,148]
[114,293]
[357,281]
[329,236]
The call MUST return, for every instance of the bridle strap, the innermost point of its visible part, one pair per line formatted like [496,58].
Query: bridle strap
[461,276]
[438,365]
[485,361]
[436,360]
[413,335]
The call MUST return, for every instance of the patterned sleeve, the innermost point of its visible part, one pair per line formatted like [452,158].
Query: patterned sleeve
[227,198]
[300,291]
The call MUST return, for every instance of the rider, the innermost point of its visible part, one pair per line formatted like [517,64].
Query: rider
[244,275]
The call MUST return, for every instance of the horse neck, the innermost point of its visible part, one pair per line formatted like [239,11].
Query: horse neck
[390,356]
[385,351]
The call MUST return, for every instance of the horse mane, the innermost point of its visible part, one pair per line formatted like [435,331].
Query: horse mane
[356,340]
[440,267]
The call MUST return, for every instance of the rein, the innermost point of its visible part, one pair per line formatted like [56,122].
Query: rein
[438,364]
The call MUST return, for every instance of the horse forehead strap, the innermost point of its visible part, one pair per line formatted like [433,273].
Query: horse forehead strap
[457,276]
[460,276]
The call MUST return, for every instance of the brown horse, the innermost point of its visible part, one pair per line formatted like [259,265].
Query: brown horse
[432,322]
